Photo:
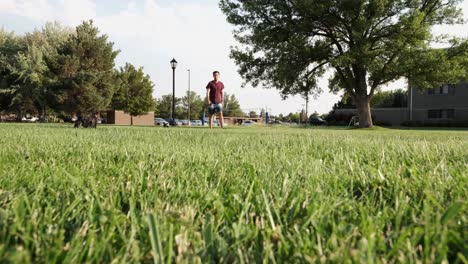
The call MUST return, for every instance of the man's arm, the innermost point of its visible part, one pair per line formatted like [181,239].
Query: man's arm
[222,97]
[208,96]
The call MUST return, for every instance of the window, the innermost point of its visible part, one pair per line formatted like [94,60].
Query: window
[440,114]
[444,89]
[448,113]
[434,114]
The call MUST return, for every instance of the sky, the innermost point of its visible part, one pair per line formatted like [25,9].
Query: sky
[149,33]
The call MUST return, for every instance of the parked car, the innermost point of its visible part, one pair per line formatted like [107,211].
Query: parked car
[184,122]
[317,121]
[30,119]
[276,122]
[217,123]
[160,122]
[174,122]
[248,123]
[196,123]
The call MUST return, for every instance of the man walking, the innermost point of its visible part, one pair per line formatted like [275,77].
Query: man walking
[215,99]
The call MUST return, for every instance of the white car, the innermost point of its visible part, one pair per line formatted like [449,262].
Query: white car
[160,122]
[196,123]
[248,123]
[30,119]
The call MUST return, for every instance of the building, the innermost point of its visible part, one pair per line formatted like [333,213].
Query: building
[444,105]
[121,118]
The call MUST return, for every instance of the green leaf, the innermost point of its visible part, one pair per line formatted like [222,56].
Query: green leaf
[451,212]
[155,240]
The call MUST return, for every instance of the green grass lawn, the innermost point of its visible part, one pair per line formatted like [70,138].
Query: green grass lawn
[144,194]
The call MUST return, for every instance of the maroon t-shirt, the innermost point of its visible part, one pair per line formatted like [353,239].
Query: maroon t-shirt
[215,91]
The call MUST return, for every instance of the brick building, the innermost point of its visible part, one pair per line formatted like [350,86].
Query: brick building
[121,118]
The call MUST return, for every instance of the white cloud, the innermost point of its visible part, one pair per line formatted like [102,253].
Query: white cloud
[69,12]
[8,6]
[74,11]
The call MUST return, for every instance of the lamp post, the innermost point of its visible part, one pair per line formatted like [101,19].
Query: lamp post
[189,96]
[173,65]
[44,117]
[304,118]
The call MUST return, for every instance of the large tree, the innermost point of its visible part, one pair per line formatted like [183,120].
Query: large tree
[24,75]
[197,105]
[84,67]
[389,99]
[232,106]
[31,71]
[10,46]
[289,45]
[164,107]
[253,114]
[134,93]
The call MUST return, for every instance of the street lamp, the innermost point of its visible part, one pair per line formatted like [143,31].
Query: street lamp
[44,117]
[304,116]
[189,96]
[173,65]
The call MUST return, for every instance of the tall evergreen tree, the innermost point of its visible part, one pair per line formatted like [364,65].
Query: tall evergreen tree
[232,106]
[197,105]
[84,69]
[164,106]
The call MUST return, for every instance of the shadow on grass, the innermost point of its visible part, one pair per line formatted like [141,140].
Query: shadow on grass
[430,128]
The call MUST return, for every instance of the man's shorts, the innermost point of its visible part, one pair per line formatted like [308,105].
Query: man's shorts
[215,108]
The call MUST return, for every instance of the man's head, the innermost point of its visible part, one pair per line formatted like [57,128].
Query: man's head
[216,75]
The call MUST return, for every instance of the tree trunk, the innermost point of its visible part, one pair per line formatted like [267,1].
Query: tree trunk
[131,120]
[41,110]
[364,111]
[19,114]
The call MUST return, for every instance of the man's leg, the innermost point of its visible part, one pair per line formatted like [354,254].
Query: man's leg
[211,120]
[221,119]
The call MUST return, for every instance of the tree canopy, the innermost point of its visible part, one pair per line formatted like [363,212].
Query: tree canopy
[68,71]
[197,105]
[84,67]
[164,106]
[232,106]
[134,94]
[24,73]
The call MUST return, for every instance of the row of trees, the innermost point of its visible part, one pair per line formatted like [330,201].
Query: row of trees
[197,105]
[68,71]
[64,71]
